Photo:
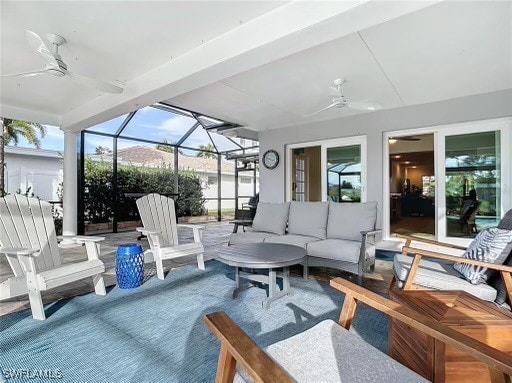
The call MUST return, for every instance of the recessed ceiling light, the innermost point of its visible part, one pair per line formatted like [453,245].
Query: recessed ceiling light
[407,162]
[414,167]
[392,140]
[397,156]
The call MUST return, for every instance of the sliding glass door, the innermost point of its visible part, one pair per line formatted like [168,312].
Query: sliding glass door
[330,170]
[473,190]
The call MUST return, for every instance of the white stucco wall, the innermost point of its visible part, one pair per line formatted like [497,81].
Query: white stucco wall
[373,125]
[42,170]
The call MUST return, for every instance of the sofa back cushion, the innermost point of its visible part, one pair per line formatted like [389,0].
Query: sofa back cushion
[271,217]
[308,218]
[347,220]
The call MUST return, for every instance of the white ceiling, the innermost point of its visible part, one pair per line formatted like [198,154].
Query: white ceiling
[109,40]
[448,50]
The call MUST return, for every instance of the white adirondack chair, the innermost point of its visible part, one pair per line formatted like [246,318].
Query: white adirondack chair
[159,219]
[29,241]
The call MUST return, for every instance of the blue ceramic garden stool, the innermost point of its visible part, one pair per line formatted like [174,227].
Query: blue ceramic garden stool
[129,266]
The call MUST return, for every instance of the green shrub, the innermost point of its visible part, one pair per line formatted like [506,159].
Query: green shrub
[99,190]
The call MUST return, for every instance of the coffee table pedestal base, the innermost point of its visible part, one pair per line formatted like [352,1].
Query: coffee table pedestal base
[271,280]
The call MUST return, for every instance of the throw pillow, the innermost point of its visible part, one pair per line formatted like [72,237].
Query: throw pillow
[308,218]
[271,217]
[491,245]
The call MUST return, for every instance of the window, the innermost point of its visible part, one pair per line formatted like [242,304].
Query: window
[212,180]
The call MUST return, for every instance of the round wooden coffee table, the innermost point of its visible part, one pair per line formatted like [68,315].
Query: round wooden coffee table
[269,256]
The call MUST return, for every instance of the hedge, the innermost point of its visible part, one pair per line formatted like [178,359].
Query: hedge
[99,191]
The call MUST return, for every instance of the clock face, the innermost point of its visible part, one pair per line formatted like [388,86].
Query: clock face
[270,159]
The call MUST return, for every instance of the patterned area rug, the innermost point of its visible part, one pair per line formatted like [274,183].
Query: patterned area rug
[156,333]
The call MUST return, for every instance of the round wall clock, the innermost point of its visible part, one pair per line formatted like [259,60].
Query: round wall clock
[271,159]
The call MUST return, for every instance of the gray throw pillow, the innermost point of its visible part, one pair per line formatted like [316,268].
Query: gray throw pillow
[271,217]
[347,220]
[308,218]
[491,245]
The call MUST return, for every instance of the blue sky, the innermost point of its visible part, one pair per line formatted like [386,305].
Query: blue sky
[149,123]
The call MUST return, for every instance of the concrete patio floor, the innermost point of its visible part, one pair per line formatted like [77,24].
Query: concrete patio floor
[215,236]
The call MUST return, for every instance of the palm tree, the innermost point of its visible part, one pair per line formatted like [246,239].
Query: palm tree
[12,131]
[207,151]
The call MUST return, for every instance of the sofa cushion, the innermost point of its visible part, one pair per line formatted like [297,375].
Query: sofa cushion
[308,218]
[291,239]
[440,276]
[347,220]
[249,237]
[328,352]
[271,217]
[491,245]
[339,249]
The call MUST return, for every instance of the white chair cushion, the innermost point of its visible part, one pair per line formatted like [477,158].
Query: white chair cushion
[347,220]
[249,237]
[308,218]
[438,276]
[329,353]
[291,239]
[339,249]
[271,217]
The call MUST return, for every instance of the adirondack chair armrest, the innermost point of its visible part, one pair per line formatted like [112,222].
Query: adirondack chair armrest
[87,238]
[148,231]
[199,227]
[19,251]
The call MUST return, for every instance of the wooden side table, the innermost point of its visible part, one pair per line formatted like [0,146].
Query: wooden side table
[462,312]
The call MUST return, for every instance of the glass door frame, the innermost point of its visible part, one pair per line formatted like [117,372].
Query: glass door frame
[504,125]
[324,145]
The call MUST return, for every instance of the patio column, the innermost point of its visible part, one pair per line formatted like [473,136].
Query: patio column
[70,196]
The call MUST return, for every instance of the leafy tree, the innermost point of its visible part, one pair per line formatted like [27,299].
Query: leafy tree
[207,151]
[102,150]
[167,147]
[12,131]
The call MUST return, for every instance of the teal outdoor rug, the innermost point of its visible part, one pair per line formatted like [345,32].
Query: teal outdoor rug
[156,333]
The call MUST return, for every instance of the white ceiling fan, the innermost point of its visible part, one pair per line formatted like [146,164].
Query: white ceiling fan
[55,66]
[339,100]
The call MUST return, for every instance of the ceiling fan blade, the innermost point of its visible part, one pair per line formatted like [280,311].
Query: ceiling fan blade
[361,105]
[321,110]
[39,45]
[93,83]
[25,74]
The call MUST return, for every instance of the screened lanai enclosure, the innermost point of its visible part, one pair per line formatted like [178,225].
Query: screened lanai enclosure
[195,159]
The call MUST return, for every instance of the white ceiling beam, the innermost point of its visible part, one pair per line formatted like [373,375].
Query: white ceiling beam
[31,115]
[288,29]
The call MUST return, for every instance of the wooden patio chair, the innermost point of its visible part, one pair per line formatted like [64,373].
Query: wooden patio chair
[342,356]
[29,241]
[412,271]
[158,216]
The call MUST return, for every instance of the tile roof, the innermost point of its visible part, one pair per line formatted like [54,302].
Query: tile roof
[152,157]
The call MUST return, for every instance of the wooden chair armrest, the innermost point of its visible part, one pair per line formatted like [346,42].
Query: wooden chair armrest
[353,293]
[87,238]
[429,241]
[371,232]
[432,254]
[236,346]
[148,231]
[19,251]
[185,225]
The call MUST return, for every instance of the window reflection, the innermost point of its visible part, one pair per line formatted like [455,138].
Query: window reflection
[344,173]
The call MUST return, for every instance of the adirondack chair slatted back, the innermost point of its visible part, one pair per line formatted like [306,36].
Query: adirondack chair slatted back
[158,213]
[28,223]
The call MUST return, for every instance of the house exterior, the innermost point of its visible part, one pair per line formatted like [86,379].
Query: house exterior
[39,170]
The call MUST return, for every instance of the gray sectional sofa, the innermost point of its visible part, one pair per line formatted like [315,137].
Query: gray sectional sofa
[338,235]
